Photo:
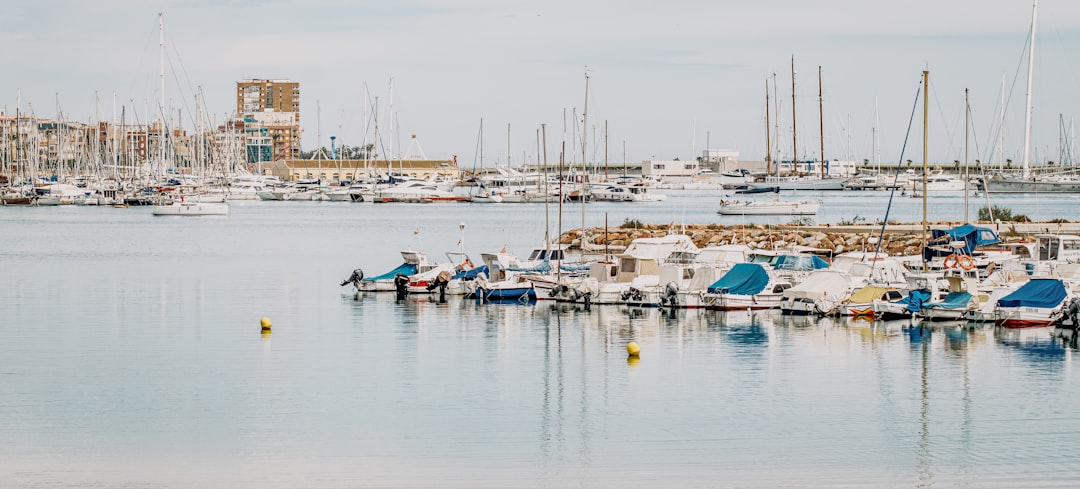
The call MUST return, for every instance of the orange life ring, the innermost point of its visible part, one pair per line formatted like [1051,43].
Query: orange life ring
[966,262]
[951,261]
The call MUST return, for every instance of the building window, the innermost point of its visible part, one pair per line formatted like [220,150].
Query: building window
[658,166]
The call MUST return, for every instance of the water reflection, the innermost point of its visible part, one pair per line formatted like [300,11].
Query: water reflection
[577,403]
[1036,345]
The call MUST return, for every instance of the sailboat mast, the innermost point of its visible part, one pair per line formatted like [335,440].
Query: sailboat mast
[585,136]
[606,150]
[768,139]
[821,120]
[967,131]
[1031,74]
[547,194]
[794,140]
[925,134]
[161,82]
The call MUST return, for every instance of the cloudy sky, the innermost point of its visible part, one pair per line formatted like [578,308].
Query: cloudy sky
[667,77]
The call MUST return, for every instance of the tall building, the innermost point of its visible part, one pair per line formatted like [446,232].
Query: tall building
[270,109]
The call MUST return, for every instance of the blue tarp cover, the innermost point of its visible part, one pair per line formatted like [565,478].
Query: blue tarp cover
[471,274]
[915,299]
[742,279]
[972,236]
[404,268]
[1036,293]
[800,262]
[954,300]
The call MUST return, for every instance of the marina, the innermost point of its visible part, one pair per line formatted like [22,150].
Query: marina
[208,282]
[163,343]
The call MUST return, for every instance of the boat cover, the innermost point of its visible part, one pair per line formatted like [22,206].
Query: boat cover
[1045,293]
[471,274]
[542,267]
[405,269]
[800,262]
[742,279]
[915,299]
[972,236]
[818,285]
[870,293]
[954,300]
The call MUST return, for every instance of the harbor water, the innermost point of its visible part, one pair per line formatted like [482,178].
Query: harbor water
[131,356]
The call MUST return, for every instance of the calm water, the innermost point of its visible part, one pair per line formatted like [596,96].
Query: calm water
[130,356]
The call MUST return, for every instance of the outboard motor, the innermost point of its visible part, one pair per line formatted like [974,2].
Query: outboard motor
[401,286]
[440,283]
[355,278]
[671,294]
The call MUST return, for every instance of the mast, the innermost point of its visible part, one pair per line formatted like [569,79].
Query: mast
[161,81]
[585,128]
[925,133]
[768,139]
[606,150]
[547,194]
[821,120]
[1001,131]
[1031,73]
[967,110]
[794,141]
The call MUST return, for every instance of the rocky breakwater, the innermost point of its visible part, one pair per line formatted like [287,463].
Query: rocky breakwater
[758,236]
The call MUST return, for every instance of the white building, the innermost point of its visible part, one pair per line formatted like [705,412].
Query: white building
[669,168]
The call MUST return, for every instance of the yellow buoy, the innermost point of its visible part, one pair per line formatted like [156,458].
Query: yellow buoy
[633,349]
[265,323]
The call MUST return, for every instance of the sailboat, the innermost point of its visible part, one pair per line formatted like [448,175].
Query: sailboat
[189,208]
[181,207]
[775,206]
[1028,182]
[798,181]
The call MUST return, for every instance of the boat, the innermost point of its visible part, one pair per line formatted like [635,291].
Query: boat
[821,292]
[954,306]
[769,208]
[747,286]
[183,208]
[861,302]
[759,190]
[619,192]
[1034,305]
[415,261]
[803,182]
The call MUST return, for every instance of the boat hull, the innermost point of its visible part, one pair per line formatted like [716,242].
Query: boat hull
[192,209]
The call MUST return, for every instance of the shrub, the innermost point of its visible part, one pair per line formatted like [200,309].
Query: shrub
[853,221]
[632,224]
[1003,214]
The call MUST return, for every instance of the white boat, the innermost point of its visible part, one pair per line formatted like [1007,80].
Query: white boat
[416,191]
[769,208]
[624,193]
[939,182]
[821,292]
[747,286]
[416,262]
[1034,305]
[801,183]
[192,209]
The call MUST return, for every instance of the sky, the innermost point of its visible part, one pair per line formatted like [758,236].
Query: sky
[667,78]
